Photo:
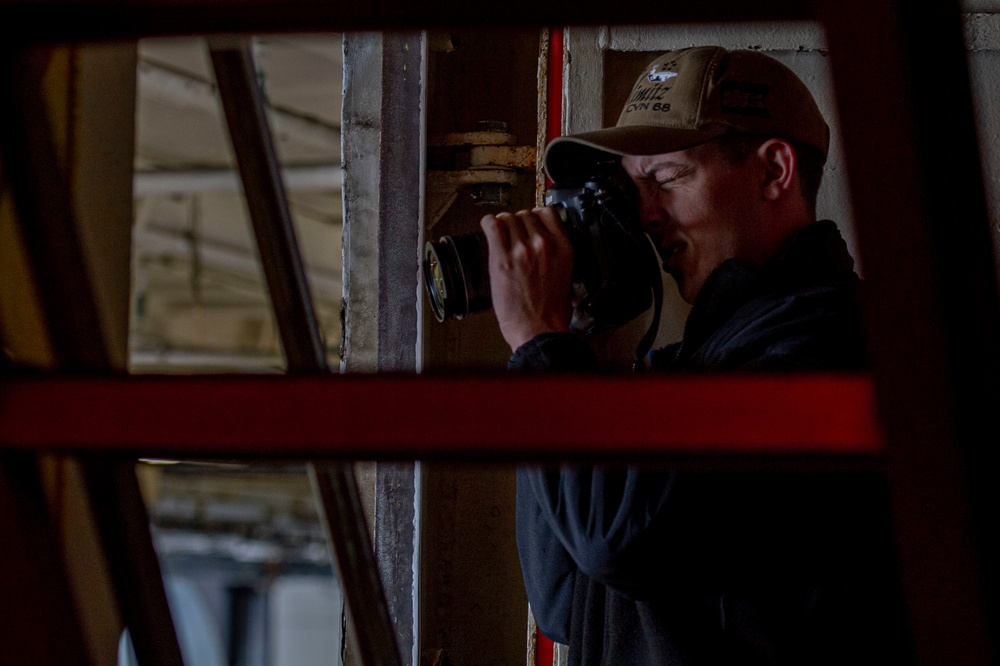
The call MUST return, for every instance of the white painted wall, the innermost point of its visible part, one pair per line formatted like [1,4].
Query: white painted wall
[304,617]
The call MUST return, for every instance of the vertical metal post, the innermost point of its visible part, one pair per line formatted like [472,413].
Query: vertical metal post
[246,116]
[399,227]
[383,120]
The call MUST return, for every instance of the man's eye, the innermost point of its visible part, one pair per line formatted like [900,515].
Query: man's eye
[666,178]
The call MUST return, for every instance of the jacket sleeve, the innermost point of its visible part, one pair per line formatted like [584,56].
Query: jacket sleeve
[554,352]
[603,518]
[547,569]
[580,519]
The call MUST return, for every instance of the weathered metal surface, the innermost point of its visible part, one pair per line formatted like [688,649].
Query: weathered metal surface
[361,128]
[479,138]
[383,156]
[511,157]
[401,212]
[400,200]
[933,316]
[396,498]
[446,181]
[344,517]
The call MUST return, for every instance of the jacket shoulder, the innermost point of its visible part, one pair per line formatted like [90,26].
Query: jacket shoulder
[816,329]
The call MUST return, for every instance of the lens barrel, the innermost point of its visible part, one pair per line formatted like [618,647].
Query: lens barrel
[615,271]
[456,275]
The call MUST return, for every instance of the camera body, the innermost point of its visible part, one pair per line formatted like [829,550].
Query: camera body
[615,269]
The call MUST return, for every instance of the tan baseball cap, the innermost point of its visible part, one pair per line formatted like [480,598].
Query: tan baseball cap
[693,95]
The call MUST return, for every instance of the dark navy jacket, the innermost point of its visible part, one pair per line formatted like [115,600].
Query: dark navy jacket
[651,566]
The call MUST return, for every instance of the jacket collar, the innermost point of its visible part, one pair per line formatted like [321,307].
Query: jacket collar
[816,254]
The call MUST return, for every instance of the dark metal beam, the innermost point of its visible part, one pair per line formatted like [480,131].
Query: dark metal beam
[347,532]
[123,523]
[112,19]
[45,214]
[410,416]
[934,323]
[250,134]
[39,618]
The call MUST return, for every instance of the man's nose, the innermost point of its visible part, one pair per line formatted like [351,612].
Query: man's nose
[651,213]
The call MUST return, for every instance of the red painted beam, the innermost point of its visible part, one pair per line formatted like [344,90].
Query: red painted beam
[544,647]
[482,417]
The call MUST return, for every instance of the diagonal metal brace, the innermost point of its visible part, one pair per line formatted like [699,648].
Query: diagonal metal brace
[305,354]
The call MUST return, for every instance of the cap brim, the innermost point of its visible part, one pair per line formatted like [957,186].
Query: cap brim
[570,156]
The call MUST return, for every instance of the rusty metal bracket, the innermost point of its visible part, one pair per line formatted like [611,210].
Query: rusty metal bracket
[486,162]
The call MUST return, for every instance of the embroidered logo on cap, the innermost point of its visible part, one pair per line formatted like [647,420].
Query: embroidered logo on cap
[745,99]
[660,72]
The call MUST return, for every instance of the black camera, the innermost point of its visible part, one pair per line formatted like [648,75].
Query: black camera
[616,273]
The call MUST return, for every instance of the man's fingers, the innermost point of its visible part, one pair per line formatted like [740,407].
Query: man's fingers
[552,224]
[548,234]
[520,231]
[496,232]
[529,266]
[551,220]
[530,232]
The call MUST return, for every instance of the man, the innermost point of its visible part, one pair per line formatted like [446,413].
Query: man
[640,566]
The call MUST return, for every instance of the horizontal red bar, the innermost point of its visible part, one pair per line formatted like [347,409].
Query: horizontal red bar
[469,417]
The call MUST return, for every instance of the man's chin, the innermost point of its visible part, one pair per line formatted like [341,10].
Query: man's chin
[679,281]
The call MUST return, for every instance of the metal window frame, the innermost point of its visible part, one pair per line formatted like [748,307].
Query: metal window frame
[923,233]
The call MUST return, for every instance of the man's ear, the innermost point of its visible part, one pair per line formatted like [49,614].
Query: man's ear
[780,162]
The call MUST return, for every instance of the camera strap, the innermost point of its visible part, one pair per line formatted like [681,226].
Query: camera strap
[646,343]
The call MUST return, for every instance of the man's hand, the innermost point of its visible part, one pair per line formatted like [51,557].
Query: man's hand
[531,267]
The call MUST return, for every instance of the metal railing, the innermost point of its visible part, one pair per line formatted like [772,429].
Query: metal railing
[914,166]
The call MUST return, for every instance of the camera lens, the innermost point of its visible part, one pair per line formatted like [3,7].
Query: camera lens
[456,275]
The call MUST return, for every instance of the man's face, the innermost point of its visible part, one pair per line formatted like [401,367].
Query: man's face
[698,208]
